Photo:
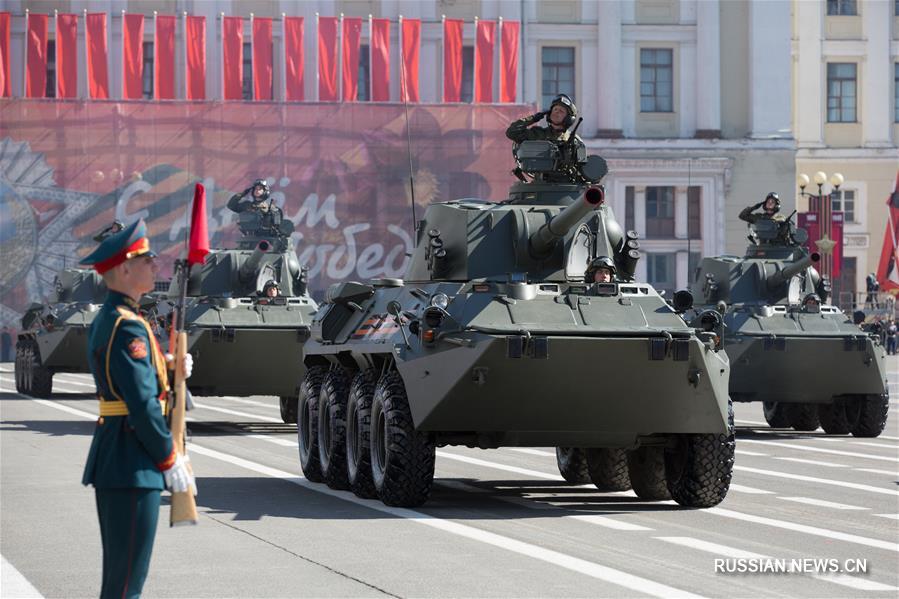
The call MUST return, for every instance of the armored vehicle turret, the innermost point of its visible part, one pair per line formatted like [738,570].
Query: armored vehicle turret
[245,339]
[805,360]
[494,338]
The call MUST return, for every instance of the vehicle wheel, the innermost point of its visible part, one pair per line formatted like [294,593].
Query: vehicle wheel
[21,349]
[27,366]
[804,417]
[608,468]
[777,414]
[332,428]
[307,422]
[358,435]
[699,468]
[646,467]
[402,458]
[572,462]
[867,414]
[833,418]
[289,410]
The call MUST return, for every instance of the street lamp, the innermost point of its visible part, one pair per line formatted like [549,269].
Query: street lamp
[821,204]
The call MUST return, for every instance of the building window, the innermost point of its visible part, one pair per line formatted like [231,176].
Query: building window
[896,83]
[694,212]
[148,71]
[247,91]
[656,77]
[841,92]
[844,201]
[629,208]
[364,82]
[661,272]
[659,212]
[466,94]
[842,8]
[557,73]
[51,69]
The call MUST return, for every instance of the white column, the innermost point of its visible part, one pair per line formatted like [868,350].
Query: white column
[608,67]
[810,88]
[708,69]
[770,68]
[629,94]
[680,212]
[689,93]
[682,270]
[876,75]
[640,210]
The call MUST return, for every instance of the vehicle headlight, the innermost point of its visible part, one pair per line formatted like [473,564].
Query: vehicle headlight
[440,300]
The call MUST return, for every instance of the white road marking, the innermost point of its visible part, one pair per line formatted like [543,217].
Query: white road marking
[890,516]
[531,451]
[496,466]
[751,453]
[754,422]
[821,450]
[813,462]
[814,479]
[56,377]
[250,402]
[274,440]
[14,583]
[749,490]
[822,503]
[206,406]
[809,530]
[876,471]
[878,445]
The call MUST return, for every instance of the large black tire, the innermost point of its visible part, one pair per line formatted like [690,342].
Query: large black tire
[402,458]
[832,417]
[307,422]
[777,414]
[572,463]
[699,468]
[804,417]
[332,428]
[867,414]
[607,468]
[646,467]
[358,434]
[37,381]
[288,409]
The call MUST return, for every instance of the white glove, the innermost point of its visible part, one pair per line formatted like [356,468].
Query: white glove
[188,363]
[179,478]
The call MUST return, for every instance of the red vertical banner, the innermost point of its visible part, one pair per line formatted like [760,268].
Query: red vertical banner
[262,58]
[485,40]
[888,265]
[508,61]
[411,47]
[164,58]
[196,58]
[452,60]
[5,88]
[380,60]
[327,59]
[66,56]
[836,233]
[133,57]
[36,56]
[232,58]
[293,59]
[352,33]
[97,56]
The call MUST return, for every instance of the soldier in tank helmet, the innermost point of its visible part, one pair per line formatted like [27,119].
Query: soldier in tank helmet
[271,289]
[811,303]
[263,216]
[560,116]
[259,192]
[600,270]
[770,206]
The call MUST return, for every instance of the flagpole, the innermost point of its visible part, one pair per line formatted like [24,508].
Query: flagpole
[252,59]
[474,63]
[371,45]
[317,59]
[155,94]
[25,56]
[403,94]
[184,22]
[282,72]
[56,51]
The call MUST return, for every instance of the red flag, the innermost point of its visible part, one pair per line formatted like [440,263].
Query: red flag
[508,61]
[452,60]
[411,45]
[232,57]
[198,246]
[483,60]
[327,59]
[196,58]
[36,58]
[293,57]
[164,59]
[888,267]
[352,32]
[133,57]
[66,56]
[262,58]
[5,88]
[97,56]
[380,60]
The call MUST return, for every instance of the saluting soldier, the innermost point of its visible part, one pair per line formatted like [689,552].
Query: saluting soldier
[770,206]
[132,455]
[561,115]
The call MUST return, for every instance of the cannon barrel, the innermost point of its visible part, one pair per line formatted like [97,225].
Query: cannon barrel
[543,240]
[248,269]
[788,271]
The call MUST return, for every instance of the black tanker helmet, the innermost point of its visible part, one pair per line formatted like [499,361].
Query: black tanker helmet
[269,284]
[265,189]
[565,101]
[601,262]
[776,197]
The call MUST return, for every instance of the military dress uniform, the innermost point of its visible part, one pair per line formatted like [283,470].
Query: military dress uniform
[132,445]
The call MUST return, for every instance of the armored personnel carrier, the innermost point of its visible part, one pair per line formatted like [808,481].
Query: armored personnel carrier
[494,338]
[805,360]
[245,342]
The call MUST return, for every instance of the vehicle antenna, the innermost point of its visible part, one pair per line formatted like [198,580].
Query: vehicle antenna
[404,92]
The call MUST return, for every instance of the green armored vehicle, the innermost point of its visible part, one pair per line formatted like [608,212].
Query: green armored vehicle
[248,314]
[494,338]
[805,360]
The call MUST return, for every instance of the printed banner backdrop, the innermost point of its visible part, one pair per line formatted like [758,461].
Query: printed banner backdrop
[339,171]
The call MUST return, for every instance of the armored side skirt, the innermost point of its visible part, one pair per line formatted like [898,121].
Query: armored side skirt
[64,349]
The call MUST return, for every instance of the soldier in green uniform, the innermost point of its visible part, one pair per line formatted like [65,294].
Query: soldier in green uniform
[600,270]
[132,456]
[770,205]
[259,192]
[560,116]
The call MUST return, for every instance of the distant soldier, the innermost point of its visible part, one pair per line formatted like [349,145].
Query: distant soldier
[132,455]
[811,303]
[600,270]
[271,289]
[770,206]
[265,217]
[560,117]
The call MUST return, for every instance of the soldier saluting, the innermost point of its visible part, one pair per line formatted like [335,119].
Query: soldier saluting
[561,115]
[132,455]
[770,206]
